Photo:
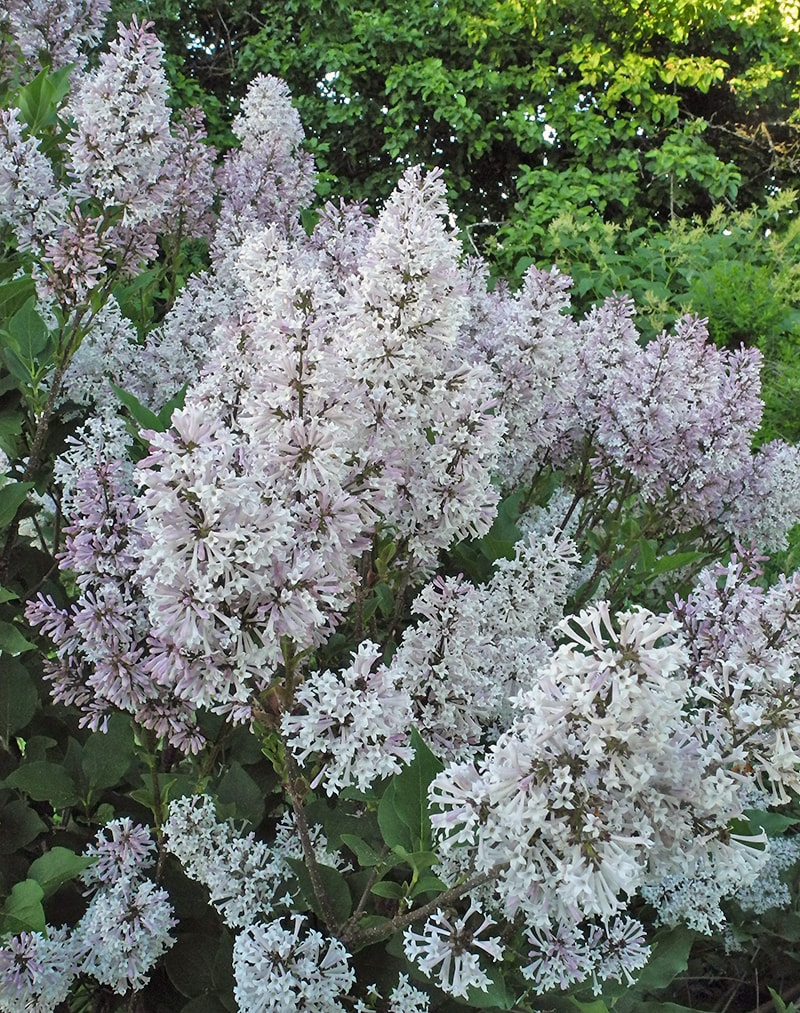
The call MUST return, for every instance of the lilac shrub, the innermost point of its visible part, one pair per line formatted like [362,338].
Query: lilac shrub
[409,615]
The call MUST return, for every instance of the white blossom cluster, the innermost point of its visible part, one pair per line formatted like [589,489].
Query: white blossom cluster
[356,721]
[600,786]
[125,930]
[451,948]
[279,968]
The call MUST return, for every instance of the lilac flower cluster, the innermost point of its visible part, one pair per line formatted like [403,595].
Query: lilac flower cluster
[51,32]
[583,801]
[123,933]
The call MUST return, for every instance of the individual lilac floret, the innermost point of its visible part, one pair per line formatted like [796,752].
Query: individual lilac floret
[278,967]
[37,971]
[355,721]
[450,949]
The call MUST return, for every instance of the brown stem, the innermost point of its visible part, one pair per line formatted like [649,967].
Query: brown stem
[378,932]
[296,797]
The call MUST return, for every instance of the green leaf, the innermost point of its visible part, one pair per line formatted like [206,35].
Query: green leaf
[139,412]
[56,867]
[388,888]
[12,641]
[670,957]
[12,496]
[393,829]
[23,911]
[39,100]
[334,885]
[19,825]
[188,965]
[10,430]
[773,824]
[45,782]
[14,294]
[18,698]
[27,331]
[367,856]
[107,755]
[238,789]
[411,793]
[676,561]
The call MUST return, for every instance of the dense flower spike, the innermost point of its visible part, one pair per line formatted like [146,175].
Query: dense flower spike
[121,138]
[30,201]
[52,33]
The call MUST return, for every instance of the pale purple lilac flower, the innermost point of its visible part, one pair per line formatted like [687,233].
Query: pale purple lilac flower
[744,644]
[356,722]
[121,138]
[123,849]
[30,201]
[268,178]
[53,33]
[124,932]
[37,971]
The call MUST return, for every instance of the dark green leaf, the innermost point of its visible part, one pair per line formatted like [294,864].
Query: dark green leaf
[19,825]
[14,294]
[12,496]
[18,698]
[23,911]
[27,332]
[334,885]
[12,641]
[367,856]
[45,782]
[107,755]
[188,964]
[393,829]
[139,412]
[238,789]
[388,888]
[56,867]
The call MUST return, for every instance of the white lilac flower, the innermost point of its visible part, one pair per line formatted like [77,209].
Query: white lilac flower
[123,849]
[769,890]
[37,971]
[241,874]
[30,201]
[557,959]
[53,32]
[121,137]
[124,932]
[356,721]
[278,968]
[473,647]
[450,948]
[405,998]
[601,778]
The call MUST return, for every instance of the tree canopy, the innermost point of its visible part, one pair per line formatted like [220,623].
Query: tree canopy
[622,110]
